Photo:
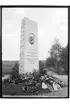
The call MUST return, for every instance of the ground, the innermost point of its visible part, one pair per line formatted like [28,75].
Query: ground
[46,93]
[7,68]
[61,93]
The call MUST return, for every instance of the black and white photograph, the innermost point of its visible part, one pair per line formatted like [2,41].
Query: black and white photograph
[35,52]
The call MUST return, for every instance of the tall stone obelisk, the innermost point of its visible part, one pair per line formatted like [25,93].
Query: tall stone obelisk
[28,46]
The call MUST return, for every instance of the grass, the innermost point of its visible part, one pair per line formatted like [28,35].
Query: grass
[7,68]
[60,93]
[16,91]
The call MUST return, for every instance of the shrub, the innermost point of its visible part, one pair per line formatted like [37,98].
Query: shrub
[15,71]
[60,71]
[31,83]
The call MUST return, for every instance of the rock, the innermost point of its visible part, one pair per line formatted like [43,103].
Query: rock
[50,87]
[55,86]
[44,86]
[23,88]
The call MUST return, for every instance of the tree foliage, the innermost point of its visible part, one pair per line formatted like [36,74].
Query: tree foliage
[55,50]
[64,58]
[58,57]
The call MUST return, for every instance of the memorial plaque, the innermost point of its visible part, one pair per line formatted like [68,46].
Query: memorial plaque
[28,46]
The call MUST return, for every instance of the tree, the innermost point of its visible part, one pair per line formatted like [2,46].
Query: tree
[15,71]
[58,58]
[55,52]
[50,62]
[64,58]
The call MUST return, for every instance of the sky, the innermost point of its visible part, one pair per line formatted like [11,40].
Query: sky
[52,23]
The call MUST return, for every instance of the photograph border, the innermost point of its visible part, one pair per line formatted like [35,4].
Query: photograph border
[31,6]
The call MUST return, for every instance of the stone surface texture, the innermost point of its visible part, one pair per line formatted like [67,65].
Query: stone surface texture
[28,46]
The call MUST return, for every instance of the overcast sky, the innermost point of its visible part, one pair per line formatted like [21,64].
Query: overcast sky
[52,23]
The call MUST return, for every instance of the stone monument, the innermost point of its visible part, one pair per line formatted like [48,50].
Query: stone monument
[28,46]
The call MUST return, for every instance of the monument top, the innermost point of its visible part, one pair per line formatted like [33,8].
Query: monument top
[26,18]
